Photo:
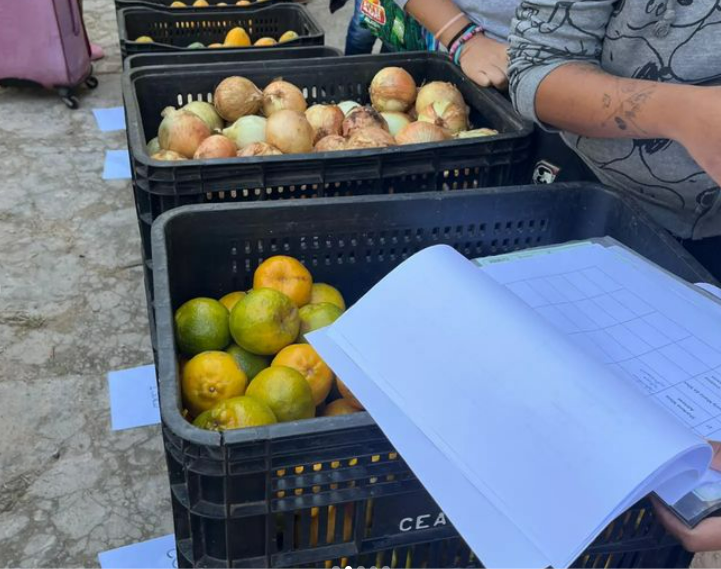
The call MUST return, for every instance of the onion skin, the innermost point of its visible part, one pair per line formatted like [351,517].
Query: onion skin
[207,113]
[182,132]
[259,149]
[348,106]
[422,132]
[216,146]
[167,155]
[396,121]
[325,120]
[393,89]
[331,143]
[438,91]
[153,146]
[446,115]
[237,97]
[247,130]
[370,137]
[363,117]
[290,132]
[283,96]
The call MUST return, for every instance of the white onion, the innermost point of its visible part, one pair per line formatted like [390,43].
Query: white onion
[290,132]
[370,137]
[363,117]
[348,106]
[396,121]
[393,89]
[438,91]
[182,132]
[283,96]
[237,97]
[422,132]
[207,113]
[259,149]
[446,115]
[247,130]
[325,120]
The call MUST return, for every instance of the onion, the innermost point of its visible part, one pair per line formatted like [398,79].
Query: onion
[362,118]
[290,132]
[216,146]
[207,113]
[370,137]
[153,147]
[438,91]
[396,121]
[246,130]
[348,106]
[167,155]
[182,132]
[446,115]
[325,120]
[479,132]
[420,132]
[259,149]
[393,89]
[331,143]
[237,97]
[283,96]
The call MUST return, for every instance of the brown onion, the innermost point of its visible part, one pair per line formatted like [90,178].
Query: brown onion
[259,149]
[290,132]
[283,96]
[370,137]
[446,115]
[216,146]
[393,89]
[438,91]
[363,117]
[331,143]
[421,132]
[167,155]
[237,97]
[325,120]
[182,132]
[396,121]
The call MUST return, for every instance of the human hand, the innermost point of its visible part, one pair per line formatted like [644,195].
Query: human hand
[485,62]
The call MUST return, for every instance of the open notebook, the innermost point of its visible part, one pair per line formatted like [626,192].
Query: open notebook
[537,396]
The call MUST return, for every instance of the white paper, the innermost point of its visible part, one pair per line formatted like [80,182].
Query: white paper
[110,119]
[156,553]
[117,165]
[133,398]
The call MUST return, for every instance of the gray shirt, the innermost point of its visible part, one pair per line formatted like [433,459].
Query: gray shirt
[676,41]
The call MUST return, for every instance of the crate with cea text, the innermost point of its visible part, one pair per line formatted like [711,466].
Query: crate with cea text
[327,489]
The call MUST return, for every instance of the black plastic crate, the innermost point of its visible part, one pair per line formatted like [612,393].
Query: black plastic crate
[228,56]
[165,4]
[333,489]
[174,30]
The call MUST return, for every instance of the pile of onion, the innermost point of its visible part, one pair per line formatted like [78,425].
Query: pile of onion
[447,115]
[325,120]
[259,149]
[363,117]
[393,89]
[182,132]
[237,97]
[283,96]
[290,132]
[422,132]
[216,146]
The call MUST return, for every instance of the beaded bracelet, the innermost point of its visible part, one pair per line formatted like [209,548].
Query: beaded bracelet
[462,31]
[457,47]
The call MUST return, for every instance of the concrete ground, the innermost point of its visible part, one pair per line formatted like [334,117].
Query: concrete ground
[72,308]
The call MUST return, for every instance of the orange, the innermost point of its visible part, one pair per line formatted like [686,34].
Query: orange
[200,3]
[237,37]
[347,395]
[264,322]
[231,299]
[287,36]
[215,45]
[304,359]
[339,407]
[286,275]
[242,3]
[321,292]
[201,324]
[178,4]
[236,413]
[209,378]
[251,364]
[263,42]
[144,39]
[316,316]
[285,391]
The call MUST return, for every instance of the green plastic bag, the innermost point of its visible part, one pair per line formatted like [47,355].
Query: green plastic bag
[393,26]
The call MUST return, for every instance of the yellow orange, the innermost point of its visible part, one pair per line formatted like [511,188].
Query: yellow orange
[237,37]
[287,36]
[231,299]
[339,407]
[347,395]
[304,359]
[322,292]
[200,3]
[263,42]
[209,378]
[287,275]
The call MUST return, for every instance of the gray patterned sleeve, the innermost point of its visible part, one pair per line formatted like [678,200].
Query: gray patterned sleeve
[545,35]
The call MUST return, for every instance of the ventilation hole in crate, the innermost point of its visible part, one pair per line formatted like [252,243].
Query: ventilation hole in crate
[482,228]
[509,225]
[544,224]
[505,242]
[538,239]
[516,242]
[532,224]
[519,225]
[497,226]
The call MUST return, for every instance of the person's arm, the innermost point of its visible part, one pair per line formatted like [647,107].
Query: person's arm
[483,60]
[556,80]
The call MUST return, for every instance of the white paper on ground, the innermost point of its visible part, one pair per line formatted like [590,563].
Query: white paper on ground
[117,165]
[156,553]
[133,398]
[109,119]
[460,327]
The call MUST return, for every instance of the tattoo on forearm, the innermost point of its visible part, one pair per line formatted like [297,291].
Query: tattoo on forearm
[625,113]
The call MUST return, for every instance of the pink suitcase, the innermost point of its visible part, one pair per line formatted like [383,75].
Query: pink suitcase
[44,42]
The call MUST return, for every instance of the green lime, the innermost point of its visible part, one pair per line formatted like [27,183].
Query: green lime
[201,324]
[250,363]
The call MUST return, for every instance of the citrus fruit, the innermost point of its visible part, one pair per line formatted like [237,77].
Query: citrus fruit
[347,395]
[178,4]
[201,324]
[230,299]
[211,377]
[242,3]
[262,42]
[264,322]
[196,45]
[144,39]
[316,316]
[237,37]
[235,413]
[304,359]
[200,3]
[339,407]
[321,292]
[286,275]
[285,391]
[215,45]
[251,364]
[287,36]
